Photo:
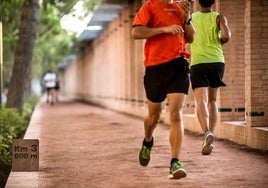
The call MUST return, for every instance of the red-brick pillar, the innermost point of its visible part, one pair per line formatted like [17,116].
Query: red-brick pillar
[137,66]
[132,55]
[256,61]
[127,61]
[231,99]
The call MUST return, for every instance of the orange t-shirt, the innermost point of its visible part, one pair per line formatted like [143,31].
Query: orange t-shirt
[163,47]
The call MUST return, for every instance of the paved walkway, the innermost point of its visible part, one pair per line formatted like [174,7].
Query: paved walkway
[86,146]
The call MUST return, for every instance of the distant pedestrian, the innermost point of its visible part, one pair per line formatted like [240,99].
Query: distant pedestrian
[207,67]
[167,28]
[50,83]
[57,90]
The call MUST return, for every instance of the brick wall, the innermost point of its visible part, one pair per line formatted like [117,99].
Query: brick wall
[109,71]
[256,63]
[232,98]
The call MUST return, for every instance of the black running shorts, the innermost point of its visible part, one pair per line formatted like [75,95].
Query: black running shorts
[207,75]
[169,77]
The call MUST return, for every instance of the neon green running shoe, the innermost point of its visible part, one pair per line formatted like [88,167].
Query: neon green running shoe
[176,170]
[144,155]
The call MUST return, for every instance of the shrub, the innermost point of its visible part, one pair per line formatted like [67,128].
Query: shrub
[12,126]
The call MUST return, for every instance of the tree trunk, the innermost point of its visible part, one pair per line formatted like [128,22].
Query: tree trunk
[23,54]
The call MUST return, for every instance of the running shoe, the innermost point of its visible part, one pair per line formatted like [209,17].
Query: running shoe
[208,143]
[176,170]
[144,155]
[212,145]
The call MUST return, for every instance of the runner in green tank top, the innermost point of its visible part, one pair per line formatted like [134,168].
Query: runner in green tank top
[206,47]
[207,66]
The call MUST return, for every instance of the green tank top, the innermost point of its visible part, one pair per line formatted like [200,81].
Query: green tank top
[206,47]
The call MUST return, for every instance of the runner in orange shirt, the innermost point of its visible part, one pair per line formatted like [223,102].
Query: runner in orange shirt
[167,27]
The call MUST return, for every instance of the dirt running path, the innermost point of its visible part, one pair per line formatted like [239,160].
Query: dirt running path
[86,146]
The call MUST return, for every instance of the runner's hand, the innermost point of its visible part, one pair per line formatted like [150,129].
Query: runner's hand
[186,6]
[174,29]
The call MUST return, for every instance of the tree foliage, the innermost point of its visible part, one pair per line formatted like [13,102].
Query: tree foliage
[11,19]
[21,71]
[52,43]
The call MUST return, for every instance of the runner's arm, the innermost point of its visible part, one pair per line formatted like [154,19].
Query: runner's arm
[189,33]
[142,32]
[225,30]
